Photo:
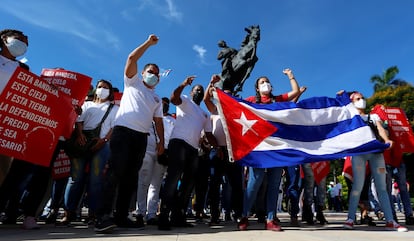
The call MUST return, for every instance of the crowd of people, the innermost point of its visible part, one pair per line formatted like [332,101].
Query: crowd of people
[147,166]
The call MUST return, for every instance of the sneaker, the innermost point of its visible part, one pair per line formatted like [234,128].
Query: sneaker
[104,226]
[164,223]
[321,218]
[409,220]
[140,221]
[30,223]
[127,223]
[152,221]
[214,222]
[273,225]
[368,220]
[294,222]
[394,226]
[349,224]
[51,217]
[380,215]
[243,223]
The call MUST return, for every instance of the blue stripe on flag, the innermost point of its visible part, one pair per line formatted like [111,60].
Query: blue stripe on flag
[290,157]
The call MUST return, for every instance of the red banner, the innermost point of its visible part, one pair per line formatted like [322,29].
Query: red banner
[320,170]
[400,132]
[74,84]
[33,114]
[61,166]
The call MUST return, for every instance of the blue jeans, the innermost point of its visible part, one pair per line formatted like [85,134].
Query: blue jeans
[80,178]
[378,172]
[293,178]
[399,174]
[256,176]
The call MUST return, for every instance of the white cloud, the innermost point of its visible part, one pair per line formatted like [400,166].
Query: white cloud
[201,51]
[61,17]
[165,8]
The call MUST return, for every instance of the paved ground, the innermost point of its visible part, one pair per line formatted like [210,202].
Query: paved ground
[202,232]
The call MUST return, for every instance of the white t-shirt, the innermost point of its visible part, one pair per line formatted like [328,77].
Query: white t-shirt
[7,68]
[191,120]
[169,123]
[138,106]
[92,114]
[372,117]
[218,130]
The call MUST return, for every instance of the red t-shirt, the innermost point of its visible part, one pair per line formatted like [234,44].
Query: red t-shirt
[268,100]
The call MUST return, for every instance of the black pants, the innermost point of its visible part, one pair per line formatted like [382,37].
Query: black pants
[127,152]
[182,166]
[223,170]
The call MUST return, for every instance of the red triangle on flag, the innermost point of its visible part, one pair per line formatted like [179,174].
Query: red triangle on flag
[244,129]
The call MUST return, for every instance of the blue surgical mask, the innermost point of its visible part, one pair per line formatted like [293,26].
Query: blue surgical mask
[16,47]
[150,79]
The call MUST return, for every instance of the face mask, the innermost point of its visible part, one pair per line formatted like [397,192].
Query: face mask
[265,88]
[151,79]
[360,104]
[16,47]
[198,97]
[102,93]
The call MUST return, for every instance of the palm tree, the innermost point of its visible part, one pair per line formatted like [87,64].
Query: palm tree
[387,79]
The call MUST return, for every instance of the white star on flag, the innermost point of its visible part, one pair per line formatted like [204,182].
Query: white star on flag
[247,124]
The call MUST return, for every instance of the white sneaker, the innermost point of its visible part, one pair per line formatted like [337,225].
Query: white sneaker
[394,226]
[30,223]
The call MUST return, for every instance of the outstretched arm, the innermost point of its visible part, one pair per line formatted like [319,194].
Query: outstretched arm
[301,91]
[209,93]
[176,95]
[131,66]
[293,83]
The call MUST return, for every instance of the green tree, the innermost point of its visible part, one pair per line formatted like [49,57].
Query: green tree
[387,79]
[400,96]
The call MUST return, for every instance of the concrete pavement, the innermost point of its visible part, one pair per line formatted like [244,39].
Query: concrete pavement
[202,232]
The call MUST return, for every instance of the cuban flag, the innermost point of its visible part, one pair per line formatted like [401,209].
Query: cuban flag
[288,133]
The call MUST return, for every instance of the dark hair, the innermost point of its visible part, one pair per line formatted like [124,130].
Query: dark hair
[166,100]
[111,89]
[256,86]
[151,64]
[9,33]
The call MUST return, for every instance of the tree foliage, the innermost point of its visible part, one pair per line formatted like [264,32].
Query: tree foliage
[401,96]
[387,79]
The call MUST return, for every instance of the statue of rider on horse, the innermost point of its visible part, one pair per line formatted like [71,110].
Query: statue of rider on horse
[237,65]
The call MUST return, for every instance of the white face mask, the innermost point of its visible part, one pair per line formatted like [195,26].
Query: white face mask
[265,88]
[102,93]
[360,104]
[16,47]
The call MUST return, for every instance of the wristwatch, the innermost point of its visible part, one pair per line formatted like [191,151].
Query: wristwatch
[106,140]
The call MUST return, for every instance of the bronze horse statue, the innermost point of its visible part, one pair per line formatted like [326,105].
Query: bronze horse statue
[237,65]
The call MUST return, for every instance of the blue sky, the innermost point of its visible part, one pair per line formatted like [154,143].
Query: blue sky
[329,44]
